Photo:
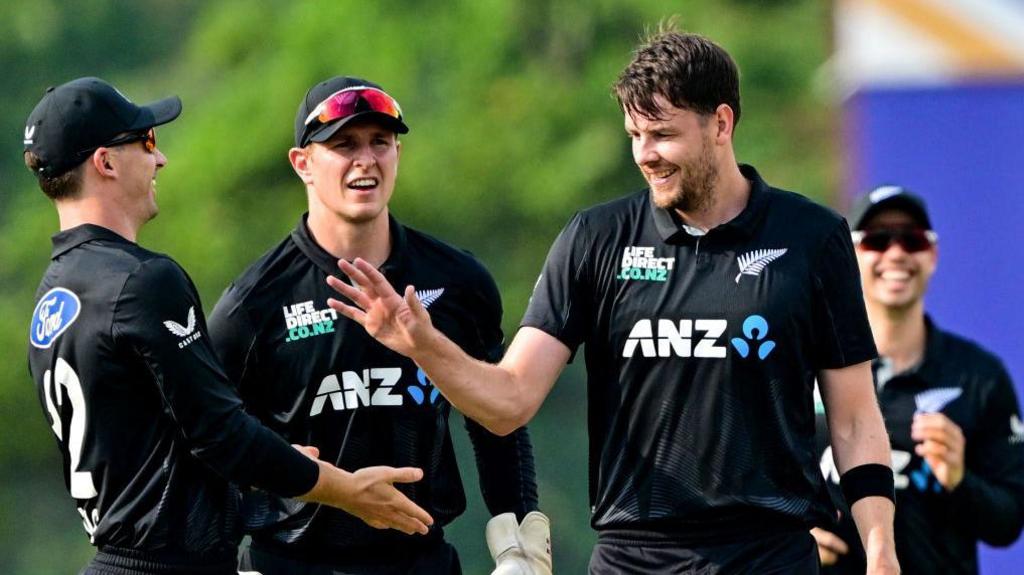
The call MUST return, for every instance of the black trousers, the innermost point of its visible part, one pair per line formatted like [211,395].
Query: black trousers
[439,559]
[791,553]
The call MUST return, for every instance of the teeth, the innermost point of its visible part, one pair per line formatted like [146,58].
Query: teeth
[363,182]
[895,275]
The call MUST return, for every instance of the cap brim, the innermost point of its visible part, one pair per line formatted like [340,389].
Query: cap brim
[326,132]
[158,113]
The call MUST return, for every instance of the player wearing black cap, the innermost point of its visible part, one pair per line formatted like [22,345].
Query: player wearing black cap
[319,379]
[707,305]
[950,408]
[148,424]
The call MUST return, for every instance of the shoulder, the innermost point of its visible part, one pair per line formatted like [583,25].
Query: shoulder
[620,211]
[268,273]
[430,253]
[151,270]
[803,212]
[959,353]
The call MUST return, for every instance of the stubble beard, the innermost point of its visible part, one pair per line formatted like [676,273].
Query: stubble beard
[696,190]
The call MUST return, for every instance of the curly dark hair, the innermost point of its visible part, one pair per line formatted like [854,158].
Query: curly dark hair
[688,70]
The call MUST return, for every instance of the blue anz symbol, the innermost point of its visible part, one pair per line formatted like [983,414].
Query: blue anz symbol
[924,480]
[418,395]
[755,328]
[54,313]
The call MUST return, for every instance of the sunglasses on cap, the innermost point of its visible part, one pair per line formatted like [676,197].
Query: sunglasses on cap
[344,103]
[148,138]
[912,240]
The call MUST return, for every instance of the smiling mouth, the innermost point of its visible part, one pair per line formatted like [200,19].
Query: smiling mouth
[660,175]
[363,183]
[895,275]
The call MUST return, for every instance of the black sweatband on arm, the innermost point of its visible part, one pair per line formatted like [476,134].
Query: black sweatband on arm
[868,480]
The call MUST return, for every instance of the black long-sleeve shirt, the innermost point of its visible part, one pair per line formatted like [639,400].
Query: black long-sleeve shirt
[150,428]
[319,379]
[936,531]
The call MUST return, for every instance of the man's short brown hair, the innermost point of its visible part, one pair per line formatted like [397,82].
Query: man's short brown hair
[61,187]
[688,70]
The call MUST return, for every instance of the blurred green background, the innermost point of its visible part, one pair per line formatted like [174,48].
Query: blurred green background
[513,129]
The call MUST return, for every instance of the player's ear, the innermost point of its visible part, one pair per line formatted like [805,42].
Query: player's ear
[725,122]
[301,161]
[103,162]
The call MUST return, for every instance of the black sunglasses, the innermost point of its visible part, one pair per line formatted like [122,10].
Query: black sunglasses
[912,240]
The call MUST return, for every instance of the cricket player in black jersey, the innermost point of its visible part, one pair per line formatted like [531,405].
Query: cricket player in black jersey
[320,380]
[950,408]
[707,304]
[150,428]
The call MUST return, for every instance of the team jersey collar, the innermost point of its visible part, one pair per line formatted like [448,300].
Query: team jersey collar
[69,239]
[670,228]
[391,268]
[929,369]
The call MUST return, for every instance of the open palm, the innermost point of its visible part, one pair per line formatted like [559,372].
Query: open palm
[398,322]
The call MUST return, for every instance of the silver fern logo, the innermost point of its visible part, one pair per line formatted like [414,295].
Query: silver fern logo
[933,400]
[428,296]
[752,263]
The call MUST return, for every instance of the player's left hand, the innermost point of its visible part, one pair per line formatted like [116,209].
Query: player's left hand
[941,444]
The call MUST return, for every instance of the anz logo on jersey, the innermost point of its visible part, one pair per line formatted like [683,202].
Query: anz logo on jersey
[676,338]
[376,386]
[54,314]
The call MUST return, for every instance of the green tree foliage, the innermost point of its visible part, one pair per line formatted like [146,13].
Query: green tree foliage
[513,128]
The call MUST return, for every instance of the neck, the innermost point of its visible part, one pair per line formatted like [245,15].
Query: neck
[729,196]
[343,239]
[92,209]
[900,333]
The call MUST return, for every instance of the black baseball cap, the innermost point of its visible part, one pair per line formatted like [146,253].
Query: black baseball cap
[73,119]
[889,198]
[315,131]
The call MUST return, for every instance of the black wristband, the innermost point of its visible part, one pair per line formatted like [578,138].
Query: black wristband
[868,480]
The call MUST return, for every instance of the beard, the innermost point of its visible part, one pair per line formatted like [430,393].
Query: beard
[695,190]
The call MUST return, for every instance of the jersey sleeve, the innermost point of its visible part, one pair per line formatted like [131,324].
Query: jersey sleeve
[232,335]
[505,464]
[158,317]
[842,335]
[990,499]
[560,305]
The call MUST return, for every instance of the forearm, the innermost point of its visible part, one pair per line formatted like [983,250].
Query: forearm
[874,519]
[506,469]
[487,393]
[993,512]
[859,438]
[860,441]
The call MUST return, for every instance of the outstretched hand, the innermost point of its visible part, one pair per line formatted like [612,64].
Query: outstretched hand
[399,322]
[376,501]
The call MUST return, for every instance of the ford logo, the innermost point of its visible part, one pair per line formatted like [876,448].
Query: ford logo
[54,313]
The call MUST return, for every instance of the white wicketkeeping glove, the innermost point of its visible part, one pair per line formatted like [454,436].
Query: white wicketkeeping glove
[520,548]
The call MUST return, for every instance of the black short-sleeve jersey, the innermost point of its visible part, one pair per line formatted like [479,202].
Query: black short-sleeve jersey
[319,379]
[936,531]
[701,354]
[150,428]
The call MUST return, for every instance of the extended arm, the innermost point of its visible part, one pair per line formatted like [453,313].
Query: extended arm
[501,397]
[858,438]
[209,414]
